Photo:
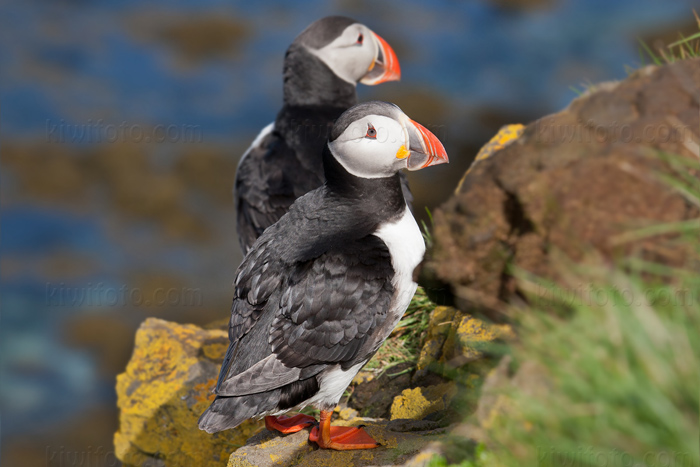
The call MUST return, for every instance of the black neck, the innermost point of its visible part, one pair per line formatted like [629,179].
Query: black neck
[380,197]
[309,82]
[347,208]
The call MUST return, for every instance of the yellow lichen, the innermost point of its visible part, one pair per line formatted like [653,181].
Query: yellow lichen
[472,332]
[271,443]
[428,353]
[238,462]
[363,377]
[417,403]
[347,413]
[439,326]
[215,350]
[160,400]
[506,135]
[467,337]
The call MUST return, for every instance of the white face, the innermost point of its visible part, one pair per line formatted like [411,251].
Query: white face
[352,54]
[374,146]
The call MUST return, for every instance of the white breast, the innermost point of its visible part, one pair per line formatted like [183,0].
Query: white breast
[406,246]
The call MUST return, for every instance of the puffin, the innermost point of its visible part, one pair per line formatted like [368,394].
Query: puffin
[321,70]
[321,289]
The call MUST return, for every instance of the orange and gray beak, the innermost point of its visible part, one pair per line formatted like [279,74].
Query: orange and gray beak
[424,147]
[385,66]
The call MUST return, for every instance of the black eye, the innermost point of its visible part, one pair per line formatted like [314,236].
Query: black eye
[360,38]
[371,132]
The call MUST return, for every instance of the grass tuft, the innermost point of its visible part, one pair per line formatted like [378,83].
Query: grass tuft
[427,235]
[406,340]
[682,49]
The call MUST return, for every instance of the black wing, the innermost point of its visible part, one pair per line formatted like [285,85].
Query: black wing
[258,279]
[288,322]
[331,305]
[269,179]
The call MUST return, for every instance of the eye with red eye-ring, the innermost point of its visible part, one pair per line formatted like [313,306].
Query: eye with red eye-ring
[360,38]
[371,132]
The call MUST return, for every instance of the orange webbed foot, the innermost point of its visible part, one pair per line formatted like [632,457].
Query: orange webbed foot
[340,438]
[288,425]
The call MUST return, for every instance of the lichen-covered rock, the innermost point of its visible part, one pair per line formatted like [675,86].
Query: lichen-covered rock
[417,403]
[470,337]
[573,184]
[455,338]
[398,447]
[373,393]
[167,385]
[441,319]
[505,136]
[165,388]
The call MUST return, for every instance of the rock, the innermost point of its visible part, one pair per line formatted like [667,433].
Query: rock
[425,457]
[167,385]
[271,449]
[571,186]
[456,339]
[438,329]
[165,388]
[506,135]
[372,395]
[470,337]
[418,403]
[403,425]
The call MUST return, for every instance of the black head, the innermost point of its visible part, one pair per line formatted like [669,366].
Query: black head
[341,48]
[322,32]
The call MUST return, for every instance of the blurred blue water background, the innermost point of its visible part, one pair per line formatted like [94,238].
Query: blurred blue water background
[85,215]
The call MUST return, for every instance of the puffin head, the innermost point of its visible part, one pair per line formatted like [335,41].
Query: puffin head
[376,139]
[351,50]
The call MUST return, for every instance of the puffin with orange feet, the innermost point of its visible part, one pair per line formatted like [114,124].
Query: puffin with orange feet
[321,70]
[321,289]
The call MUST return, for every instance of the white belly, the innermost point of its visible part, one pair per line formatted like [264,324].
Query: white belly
[406,245]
